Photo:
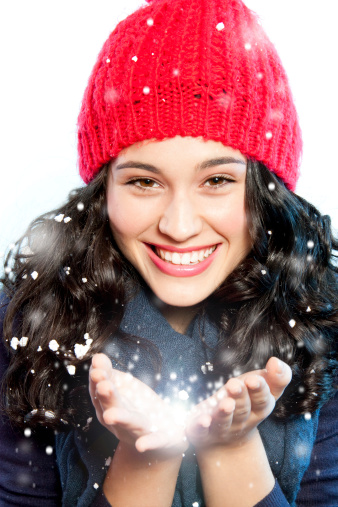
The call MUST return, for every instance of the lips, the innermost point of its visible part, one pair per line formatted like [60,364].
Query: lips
[182,261]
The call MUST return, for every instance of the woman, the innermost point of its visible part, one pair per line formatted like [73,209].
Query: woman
[189,262]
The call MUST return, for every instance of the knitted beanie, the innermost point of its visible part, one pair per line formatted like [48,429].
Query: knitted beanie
[190,68]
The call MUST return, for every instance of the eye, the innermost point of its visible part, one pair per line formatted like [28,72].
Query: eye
[218,181]
[143,183]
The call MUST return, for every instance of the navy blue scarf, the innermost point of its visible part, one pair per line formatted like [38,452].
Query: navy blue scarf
[83,457]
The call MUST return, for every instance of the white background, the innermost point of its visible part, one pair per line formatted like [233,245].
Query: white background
[48,50]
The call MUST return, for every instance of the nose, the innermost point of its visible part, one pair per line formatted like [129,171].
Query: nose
[180,220]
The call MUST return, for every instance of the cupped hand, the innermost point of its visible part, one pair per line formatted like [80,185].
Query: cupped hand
[230,417]
[132,410]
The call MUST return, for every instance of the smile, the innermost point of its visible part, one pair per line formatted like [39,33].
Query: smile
[185,258]
[182,261]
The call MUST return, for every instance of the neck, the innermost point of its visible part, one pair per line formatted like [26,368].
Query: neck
[179,317]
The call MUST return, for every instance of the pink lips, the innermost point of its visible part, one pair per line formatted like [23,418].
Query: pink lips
[180,270]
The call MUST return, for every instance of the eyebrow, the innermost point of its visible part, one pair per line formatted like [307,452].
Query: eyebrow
[204,165]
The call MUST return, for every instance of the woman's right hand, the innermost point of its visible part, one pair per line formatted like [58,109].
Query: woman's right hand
[132,411]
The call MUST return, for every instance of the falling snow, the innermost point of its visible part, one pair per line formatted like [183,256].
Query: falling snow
[71,369]
[34,275]
[59,217]
[307,416]
[81,350]
[220,26]
[108,461]
[271,186]
[39,349]
[135,58]
[310,244]
[268,135]
[80,206]
[247,46]
[150,21]
[96,486]
[84,280]
[195,504]
[108,60]
[27,432]
[67,219]
[146,90]
[292,323]
[53,345]
[183,395]
[263,271]
[49,450]
[308,309]
[173,376]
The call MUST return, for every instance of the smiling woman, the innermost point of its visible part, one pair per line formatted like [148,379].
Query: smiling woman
[191,228]
[169,333]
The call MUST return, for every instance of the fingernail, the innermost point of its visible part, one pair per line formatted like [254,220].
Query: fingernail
[280,367]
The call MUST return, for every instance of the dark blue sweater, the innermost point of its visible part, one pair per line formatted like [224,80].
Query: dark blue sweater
[30,476]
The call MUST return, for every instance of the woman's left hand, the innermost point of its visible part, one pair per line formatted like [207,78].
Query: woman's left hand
[230,417]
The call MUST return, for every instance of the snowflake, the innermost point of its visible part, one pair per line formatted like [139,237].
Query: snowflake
[53,345]
[49,450]
[34,275]
[59,217]
[71,369]
[220,26]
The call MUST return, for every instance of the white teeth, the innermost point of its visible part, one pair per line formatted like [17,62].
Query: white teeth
[201,255]
[167,256]
[186,258]
[194,257]
[176,258]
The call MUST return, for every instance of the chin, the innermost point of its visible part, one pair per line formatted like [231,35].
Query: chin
[181,298]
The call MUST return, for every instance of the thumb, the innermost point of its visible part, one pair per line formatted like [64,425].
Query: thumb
[277,375]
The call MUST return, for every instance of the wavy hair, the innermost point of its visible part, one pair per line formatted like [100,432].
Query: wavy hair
[66,277]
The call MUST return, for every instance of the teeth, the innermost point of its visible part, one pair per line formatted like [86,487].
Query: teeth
[176,258]
[186,258]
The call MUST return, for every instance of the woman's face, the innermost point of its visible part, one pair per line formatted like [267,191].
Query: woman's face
[177,212]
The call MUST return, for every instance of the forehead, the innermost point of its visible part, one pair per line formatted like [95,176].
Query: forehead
[186,149]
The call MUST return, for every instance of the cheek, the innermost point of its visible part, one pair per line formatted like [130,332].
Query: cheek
[231,221]
[126,218]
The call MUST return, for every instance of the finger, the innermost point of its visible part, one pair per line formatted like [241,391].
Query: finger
[198,428]
[125,419]
[262,401]
[237,390]
[152,441]
[278,375]
[102,362]
[223,416]
[106,394]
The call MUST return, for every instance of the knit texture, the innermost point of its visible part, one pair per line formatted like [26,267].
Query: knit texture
[190,68]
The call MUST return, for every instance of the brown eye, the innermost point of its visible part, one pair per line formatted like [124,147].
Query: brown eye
[146,183]
[217,181]
[143,183]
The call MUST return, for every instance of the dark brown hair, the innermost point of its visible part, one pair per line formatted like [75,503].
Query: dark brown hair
[280,300]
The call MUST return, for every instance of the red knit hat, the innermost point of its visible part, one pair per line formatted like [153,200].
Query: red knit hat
[190,68]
